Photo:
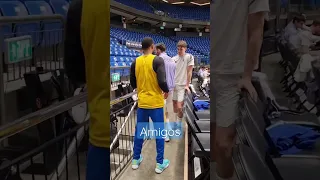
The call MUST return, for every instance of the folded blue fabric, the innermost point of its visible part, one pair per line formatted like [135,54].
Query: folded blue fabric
[291,139]
[201,105]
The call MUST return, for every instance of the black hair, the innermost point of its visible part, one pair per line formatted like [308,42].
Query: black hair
[147,43]
[299,18]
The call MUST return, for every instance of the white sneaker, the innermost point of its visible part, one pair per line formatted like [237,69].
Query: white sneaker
[167,139]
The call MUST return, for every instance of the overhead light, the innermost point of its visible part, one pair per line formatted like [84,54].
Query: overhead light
[165,1]
[203,4]
[178,2]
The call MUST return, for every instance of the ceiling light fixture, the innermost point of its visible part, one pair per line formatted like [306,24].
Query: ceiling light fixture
[199,4]
[165,1]
[178,2]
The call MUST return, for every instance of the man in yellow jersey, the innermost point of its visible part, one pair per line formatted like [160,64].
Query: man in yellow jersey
[87,61]
[148,76]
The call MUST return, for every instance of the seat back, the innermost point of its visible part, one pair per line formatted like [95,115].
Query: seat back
[190,119]
[248,165]
[254,111]
[249,134]
[59,6]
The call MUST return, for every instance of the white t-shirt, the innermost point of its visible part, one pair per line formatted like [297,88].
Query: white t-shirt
[228,33]
[307,38]
[182,64]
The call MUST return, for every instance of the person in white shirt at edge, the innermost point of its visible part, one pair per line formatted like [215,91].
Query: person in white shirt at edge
[234,51]
[201,70]
[184,66]
[170,67]
[309,38]
[293,28]
[205,75]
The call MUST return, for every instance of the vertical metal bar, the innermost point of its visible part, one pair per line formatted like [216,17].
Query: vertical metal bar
[278,14]
[2,101]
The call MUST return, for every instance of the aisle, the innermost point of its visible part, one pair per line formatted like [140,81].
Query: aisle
[174,151]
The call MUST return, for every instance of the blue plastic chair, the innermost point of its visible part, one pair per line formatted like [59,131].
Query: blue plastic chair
[59,6]
[52,32]
[16,8]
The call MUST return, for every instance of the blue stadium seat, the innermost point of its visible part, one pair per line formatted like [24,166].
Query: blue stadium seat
[60,6]
[52,30]
[174,11]
[16,8]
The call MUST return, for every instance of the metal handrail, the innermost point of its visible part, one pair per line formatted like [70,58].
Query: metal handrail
[122,126]
[37,117]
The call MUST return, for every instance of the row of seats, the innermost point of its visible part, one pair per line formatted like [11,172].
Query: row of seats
[173,11]
[268,148]
[197,43]
[306,94]
[117,49]
[46,33]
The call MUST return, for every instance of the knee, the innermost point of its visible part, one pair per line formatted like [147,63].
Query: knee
[224,146]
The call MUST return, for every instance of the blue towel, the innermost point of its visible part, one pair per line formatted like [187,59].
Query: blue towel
[291,139]
[201,105]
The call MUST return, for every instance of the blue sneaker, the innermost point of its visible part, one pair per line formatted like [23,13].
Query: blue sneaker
[136,163]
[161,167]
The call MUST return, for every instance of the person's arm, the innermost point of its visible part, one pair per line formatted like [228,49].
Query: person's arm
[189,69]
[133,79]
[74,59]
[305,27]
[257,10]
[159,68]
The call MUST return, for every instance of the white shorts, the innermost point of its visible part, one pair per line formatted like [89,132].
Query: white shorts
[226,99]
[178,93]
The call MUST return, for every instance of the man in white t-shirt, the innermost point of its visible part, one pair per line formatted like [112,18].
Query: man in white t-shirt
[309,38]
[235,48]
[184,66]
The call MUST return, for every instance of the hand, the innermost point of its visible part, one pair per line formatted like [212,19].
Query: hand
[187,89]
[165,95]
[245,83]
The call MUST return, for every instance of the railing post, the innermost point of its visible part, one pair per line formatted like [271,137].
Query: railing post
[2,95]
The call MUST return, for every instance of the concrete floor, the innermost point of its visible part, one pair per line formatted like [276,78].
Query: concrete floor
[174,151]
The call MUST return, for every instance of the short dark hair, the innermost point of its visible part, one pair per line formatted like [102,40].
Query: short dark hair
[316,23]
[147,43]
[299,18]
[161,46]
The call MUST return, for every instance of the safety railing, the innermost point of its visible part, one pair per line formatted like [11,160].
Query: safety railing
[35,147]
[123,119]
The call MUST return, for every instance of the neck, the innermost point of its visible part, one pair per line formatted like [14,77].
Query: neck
[182,54]
[147,53]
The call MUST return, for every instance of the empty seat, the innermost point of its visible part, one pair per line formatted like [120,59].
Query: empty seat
[59,6]
[16,8]
[52,32]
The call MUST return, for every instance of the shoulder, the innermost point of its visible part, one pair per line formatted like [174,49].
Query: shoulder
[305,34]
[158,60]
